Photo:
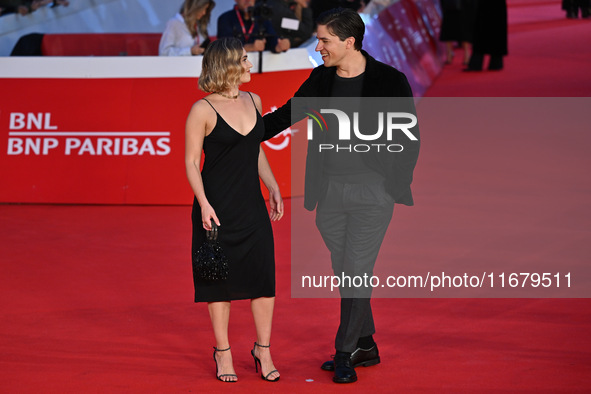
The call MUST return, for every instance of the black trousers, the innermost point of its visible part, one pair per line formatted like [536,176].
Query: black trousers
[353,219]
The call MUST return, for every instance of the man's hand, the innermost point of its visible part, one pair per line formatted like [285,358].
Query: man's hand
[283,45]
[197,50]
[258,45]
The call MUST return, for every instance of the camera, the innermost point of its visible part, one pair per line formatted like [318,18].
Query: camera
[261,11]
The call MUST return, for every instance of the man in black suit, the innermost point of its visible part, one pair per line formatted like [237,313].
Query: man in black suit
[352,225]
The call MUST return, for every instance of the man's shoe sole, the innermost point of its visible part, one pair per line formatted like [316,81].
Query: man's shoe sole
[329,365]
[352,379]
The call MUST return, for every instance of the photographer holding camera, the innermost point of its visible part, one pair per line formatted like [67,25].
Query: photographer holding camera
[251,24]
[292,19]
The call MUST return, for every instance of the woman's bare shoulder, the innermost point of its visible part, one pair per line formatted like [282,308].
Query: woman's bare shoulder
[203,107]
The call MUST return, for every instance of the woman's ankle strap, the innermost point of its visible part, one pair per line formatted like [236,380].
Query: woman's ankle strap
[221,350]
[256,344]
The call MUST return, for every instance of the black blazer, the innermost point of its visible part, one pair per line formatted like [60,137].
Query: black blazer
[380,80]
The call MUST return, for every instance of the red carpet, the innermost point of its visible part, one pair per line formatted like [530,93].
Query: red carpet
[99,298]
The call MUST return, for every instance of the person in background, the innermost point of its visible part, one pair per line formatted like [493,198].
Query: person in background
[14,6]
[490,35]
[186,33]
[292,19]
[252,26]
[457,25]
[24,7]
[572,8]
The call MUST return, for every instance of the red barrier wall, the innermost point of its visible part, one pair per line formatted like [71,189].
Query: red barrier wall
[111,141]
[108,44]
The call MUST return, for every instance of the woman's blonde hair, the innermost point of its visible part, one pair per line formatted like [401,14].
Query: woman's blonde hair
[189,10]
[221,67]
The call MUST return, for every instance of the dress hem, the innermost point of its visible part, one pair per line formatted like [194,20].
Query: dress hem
[236,299]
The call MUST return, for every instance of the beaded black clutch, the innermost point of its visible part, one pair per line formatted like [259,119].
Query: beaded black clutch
[209,261]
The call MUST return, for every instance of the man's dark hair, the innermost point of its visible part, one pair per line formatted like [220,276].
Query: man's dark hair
[343,23]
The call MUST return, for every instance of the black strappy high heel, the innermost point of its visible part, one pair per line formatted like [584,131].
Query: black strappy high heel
[219,377]
[257,362]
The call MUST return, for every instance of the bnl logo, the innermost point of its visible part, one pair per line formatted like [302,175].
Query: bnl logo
[389,123]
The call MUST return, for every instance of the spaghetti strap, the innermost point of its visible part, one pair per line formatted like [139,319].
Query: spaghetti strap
[207,101]
[251,98]
[253,103]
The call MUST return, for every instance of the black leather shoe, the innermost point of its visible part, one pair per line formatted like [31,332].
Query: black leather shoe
[343,371]
[496,63]
[359,358]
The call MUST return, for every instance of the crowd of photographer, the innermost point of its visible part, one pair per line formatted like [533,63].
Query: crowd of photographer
[265,25]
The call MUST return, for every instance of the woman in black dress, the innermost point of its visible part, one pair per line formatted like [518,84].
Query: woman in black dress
[227,126]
